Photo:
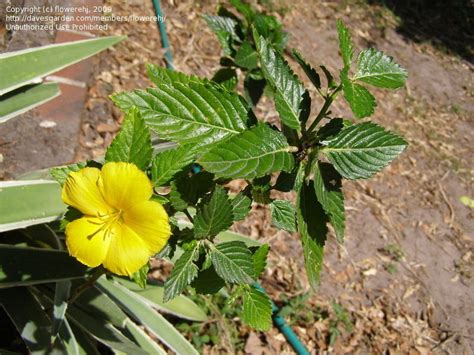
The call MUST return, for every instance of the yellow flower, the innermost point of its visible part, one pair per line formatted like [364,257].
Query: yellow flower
[121,228]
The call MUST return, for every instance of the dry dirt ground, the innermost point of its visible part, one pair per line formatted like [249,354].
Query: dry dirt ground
[405,272]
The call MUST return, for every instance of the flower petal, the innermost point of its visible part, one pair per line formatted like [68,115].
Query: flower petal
[127,251]
[124,185]
[81,191]
[150,221]
[86,241]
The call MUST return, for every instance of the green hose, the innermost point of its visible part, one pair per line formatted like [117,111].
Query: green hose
[164,36]
[278,320]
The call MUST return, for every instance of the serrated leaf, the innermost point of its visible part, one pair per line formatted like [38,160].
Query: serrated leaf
[241,206]
[166,164]
[183,273]
[291,98]
[133,143]
[283,215]
[253,153]
[285,181]
[233,262]
[362,102]
[227,77]
[225,30]
[60,174]
[208,282]
[313,231]
[196,113]
[259,259]
[222,24]
[246,56]
[359,151]
[329,78]
[160,75]
[253,89]
[345,43]
[257,309]
[330,129]
[310,72]
[327,184]
[378,69]
[213,216]
[187,190]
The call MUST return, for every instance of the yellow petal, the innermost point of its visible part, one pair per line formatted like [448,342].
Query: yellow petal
[86,241]
[127,251]
[150,221]
[81,191]
[124,185]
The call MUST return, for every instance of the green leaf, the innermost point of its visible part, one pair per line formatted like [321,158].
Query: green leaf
[328,187]
[143,313]
[166,164]
[313,231]
[225,30]
[227,77]
[345,43]
[26,203]
[241,206]
[253,153]
[291,98]
[144,341]
[103,331]
[229,236]
[221,24]
[259,259]
[133,143]
[208,282]
[180,306]
[330,129]
[193,113]
[61,297]
[362,102]
[331,83]
[160,75]
[61,173]
[26,98]
[140,277]
[233,262]
[17,67]
[246,56]
[183,273]
[359,151]
[187,190]
[28,317]
[244,9]
[283,215]
[377,69]
[214,215]
[257,309]
[253,89]
[26,266]
[310,72]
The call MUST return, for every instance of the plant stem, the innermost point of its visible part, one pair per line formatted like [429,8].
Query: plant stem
[89,283]
[324,110]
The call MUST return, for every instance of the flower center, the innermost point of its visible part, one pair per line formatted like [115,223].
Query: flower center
[107,222]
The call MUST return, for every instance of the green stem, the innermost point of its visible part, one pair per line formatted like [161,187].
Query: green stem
[324,110]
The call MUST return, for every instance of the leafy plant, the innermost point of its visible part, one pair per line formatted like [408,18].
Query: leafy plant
[216,138]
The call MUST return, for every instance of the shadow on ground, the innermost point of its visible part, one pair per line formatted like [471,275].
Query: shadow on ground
[446,24]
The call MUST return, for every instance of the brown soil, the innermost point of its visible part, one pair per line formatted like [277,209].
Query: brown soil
[405,271]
